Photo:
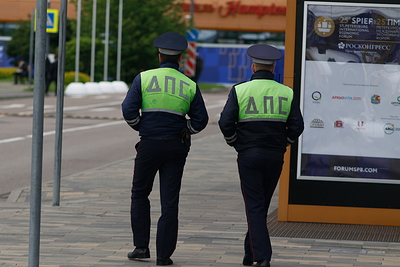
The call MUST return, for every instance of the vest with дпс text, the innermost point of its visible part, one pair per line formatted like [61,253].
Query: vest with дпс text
[166,90]
[263,100]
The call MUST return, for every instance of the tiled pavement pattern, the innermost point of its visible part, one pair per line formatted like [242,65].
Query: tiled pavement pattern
[91,226]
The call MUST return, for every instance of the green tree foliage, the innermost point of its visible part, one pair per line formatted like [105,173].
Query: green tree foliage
[18,47]
[143,21]
[85,49]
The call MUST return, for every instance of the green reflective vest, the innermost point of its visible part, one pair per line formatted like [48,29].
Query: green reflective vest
[263,100]
[166,90]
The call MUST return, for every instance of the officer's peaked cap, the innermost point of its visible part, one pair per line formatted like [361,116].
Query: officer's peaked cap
[170,43]
[264,54]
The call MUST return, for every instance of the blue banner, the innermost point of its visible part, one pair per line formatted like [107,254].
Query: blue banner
[229,64]
[4,59]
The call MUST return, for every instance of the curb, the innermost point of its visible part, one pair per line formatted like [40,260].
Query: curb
[14,96]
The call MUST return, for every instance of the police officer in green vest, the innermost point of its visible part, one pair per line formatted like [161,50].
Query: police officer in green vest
[166,107]
[260,119]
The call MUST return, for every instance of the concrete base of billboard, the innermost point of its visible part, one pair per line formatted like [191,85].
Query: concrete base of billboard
[340,215]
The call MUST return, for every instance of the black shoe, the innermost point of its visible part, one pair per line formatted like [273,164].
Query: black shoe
[248,260]
[139,253]
[161,261]
[264,263]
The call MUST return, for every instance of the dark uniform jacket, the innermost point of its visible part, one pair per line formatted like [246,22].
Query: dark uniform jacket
[259,138]
[162,124]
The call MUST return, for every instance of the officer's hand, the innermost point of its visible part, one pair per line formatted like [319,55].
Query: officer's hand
[289,141]
[231,140]
[232,144]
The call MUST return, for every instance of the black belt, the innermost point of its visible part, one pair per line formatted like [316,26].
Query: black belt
[171,137]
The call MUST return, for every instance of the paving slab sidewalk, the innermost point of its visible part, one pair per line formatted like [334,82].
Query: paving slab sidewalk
[91,227]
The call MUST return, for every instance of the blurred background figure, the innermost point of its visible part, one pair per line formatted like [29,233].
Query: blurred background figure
[22,72]
[199,68]
[51,74]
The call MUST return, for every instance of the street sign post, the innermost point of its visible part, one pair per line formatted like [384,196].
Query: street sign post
[190,63]
[37,138]
[51,21]
[192,35]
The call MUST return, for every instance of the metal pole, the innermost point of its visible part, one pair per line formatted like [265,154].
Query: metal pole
[31,38]
[107,38]
[191,13]
[78,40]
[60,102]
[93,59]
[37,135]
[48,35]
[119,41]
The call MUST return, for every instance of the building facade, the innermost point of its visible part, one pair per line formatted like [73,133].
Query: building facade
[243,15]
[226,29]
[255,16]
[17,10]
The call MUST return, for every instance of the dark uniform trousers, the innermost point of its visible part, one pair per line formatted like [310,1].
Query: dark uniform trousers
[258,178]
[168,157]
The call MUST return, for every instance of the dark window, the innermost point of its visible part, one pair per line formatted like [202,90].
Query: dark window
[7,28]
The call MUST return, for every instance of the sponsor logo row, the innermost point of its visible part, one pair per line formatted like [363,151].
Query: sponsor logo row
[363,47]
[388,128]
[375,99]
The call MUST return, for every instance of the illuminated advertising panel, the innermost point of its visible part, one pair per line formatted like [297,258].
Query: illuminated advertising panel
[350,93]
